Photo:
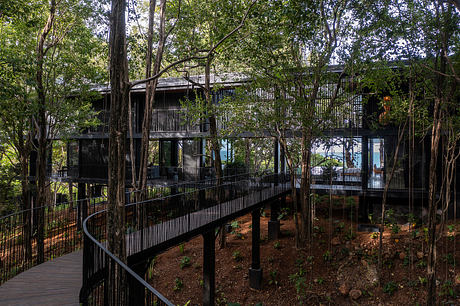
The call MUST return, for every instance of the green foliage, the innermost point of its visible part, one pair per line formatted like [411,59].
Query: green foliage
[74,60]
[406,261]
[185,262]
[319,280]
[277,245]
[447,289]
[324,161]
[235,225]
[237,256]
[350,202]
[425,231]
[318,229]
[273,278]
[285,211]
[390,287]
[421,264]
[340,227]
[235,167]
[327,256]
[350,235]
[423,281]
[236,230]
[178,284]
[299,280]
[151,268]
[395,228]
[450,259]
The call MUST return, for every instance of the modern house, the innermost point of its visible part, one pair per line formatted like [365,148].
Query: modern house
[363,144]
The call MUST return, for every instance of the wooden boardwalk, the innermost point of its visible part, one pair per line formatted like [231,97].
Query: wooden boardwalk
[155,235]
[55,282]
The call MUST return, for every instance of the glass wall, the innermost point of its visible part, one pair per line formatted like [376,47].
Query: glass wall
[376,165]
[337,161]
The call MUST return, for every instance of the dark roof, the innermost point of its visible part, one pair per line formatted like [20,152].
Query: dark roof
[178,83]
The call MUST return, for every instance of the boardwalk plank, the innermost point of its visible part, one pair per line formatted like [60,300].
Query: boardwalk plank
[56,282]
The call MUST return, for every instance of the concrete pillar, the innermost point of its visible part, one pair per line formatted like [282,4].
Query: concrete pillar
[255,271]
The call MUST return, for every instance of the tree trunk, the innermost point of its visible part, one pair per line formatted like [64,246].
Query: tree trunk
[42,133]
[151,86]
[348,144]
[215,146]
[293,179]
[432,205]
[387,187]
[26,201]
[119,99]
[247,154]
[305,202]
[71,196]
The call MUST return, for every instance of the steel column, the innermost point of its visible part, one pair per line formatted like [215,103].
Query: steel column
[255,272]
[209,267]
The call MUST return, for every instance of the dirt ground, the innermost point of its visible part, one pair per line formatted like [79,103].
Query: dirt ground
[338,268]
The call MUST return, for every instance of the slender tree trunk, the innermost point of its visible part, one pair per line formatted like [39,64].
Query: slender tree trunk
[215,145]
[151,86]
[387,187]
[247,154]
[444,92]
[432,207]
[42,132]
[71,195]
[26,203]
[149,98]
[306,205]
[117,151]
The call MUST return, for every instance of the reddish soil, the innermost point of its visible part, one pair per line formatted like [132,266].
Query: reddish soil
[329,272]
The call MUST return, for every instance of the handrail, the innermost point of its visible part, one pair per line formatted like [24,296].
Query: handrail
[32,236]
[97,257]
[123,265]
[175,185]
[35,235]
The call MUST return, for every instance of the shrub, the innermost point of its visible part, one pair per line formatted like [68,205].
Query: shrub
[237,256]
[178,284]
[327,256]
[390,287]
[185,262]
[273,278]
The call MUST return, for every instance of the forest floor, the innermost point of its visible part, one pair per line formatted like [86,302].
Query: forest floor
[340,266]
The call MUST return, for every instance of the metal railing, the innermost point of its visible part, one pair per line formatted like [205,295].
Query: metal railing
[173,120]
[33,236]
[186,210]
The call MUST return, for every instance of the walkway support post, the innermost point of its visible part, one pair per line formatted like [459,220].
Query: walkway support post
[255,271]
[209,271]
[82,208]
[136,291]
[274,223]
[363,202]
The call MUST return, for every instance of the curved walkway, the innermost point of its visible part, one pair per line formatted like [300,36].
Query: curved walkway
[55,282]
